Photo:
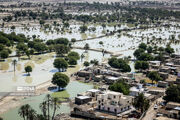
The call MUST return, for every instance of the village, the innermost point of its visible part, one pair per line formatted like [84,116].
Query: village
[89,60]
[103,103]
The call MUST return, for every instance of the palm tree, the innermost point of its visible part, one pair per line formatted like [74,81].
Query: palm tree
[86,47]
[141,103]
[18,53]
[27,109]
[14,62]
[22,112]
[55,106]
[82,56]
[48,101]
[32,114]
[27,112]
[43,107]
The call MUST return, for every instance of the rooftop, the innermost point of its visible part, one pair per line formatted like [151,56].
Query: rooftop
[83,97]
[93,90]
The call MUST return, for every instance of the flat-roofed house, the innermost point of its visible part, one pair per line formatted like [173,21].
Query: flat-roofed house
[114,102]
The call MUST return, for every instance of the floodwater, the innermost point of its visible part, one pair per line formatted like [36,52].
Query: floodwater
[72,89]
[127,41]
[43,70]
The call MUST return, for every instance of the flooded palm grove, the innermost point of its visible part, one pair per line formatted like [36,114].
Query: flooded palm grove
[118,38]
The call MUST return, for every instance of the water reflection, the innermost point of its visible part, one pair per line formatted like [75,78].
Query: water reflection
[14,78]
[29,63]
[28,79]
[4,66]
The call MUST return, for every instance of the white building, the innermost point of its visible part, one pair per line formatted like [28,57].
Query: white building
[114,102]
[136,90]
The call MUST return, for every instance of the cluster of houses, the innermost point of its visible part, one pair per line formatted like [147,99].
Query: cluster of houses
[104,73]
[169,70]
[104,104]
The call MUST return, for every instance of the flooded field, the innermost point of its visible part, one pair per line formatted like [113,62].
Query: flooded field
[124,43]
[43,70]
[127,41]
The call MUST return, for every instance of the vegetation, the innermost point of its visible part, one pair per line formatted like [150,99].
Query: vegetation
[14,63]
[141,103]
[83,28]
[141,65]
[120,64]
[172,93]
[86,63]
[28,69]
[49,104]
[120,86]
[61,80]
[72,60]
[86,47]
[60,63]
[154,76]
[74,54]
[130,14]
[94,62]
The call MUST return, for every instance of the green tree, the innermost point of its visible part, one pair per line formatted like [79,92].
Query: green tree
[172,93]
[143,46]
[74,54]
[41,22]
[86,63]
[55,105]
[104,26]
[40,47]
[2,47]
[72,60]
[154,76]
[101,42]
[138,52]
[145,57]
[141,65]
[86,47]
[28,69]
[82,57]
[120,64]
[61,49]
[60,63]
[14,63]
[4,54]
[149,49]
[169,50]
[120,86]
[73,40]
[83,28]
[27,112]
[61,80]
[13,27]
[141,103]
[94,62]
[66,25]
[22,47]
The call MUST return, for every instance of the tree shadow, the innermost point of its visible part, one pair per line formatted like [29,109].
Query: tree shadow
[55,89]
